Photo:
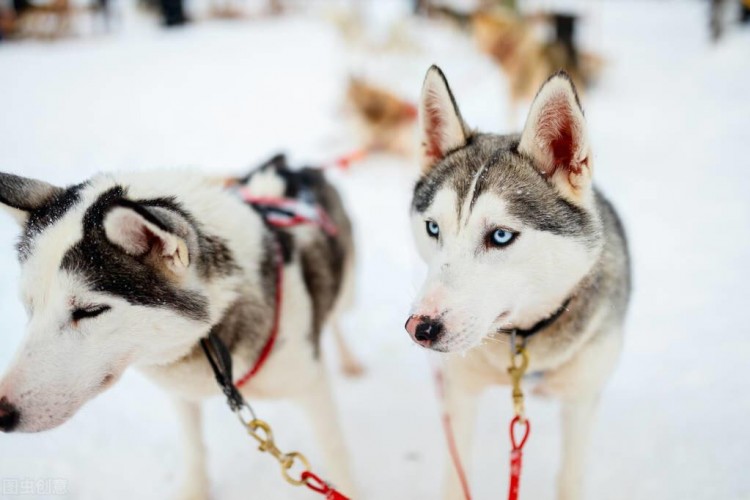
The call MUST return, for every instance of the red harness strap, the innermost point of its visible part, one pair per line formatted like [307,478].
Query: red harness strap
[283,213]
[288,212]
[268,347]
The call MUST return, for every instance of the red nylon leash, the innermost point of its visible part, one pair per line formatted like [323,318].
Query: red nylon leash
[516,455]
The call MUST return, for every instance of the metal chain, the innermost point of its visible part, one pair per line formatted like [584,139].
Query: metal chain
[263,434]
[261,431]
[221,363]
[516,370]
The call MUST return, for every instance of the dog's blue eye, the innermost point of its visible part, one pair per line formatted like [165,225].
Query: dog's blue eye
[433,230]
[500,237]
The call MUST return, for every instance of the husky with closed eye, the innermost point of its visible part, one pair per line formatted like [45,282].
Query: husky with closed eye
[517,239]
[134,269]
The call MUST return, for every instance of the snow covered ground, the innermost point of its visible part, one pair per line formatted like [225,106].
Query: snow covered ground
[670,124]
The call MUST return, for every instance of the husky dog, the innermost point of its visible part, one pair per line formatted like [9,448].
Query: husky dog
[517,238]
[134,269]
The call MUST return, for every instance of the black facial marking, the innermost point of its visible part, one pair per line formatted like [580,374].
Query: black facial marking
[458,167]
[46,215]
[108,269]
[483,179]
[501,169]
[557,216]
[427,187]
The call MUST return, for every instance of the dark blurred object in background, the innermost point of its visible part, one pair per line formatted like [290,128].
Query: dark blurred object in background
[172,13]
[47,21]
[721,14]
[716,21]
[429,8]
[565,29]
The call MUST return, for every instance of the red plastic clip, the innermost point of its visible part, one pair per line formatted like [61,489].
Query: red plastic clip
[316,484]
[516,454]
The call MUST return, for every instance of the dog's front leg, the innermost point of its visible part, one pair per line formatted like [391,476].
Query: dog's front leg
[461,392]
[577,421]
[578,384]
[317,400]
[195,484]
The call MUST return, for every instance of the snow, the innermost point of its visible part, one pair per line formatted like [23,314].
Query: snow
[669,124]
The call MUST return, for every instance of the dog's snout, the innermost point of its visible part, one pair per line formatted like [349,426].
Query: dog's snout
[9,416]
[423,329]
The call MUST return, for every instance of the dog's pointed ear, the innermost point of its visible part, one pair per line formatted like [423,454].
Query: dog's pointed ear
[20,196]
[554,137]
[442,128]
[157,234]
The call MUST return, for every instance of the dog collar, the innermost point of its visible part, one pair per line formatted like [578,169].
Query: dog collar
[541,325]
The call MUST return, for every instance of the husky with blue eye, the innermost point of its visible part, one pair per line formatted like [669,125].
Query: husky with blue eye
[134,269]
[517,239]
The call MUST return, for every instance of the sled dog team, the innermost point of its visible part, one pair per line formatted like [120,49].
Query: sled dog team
[135,269]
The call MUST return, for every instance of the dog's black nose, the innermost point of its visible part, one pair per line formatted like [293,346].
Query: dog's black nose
[9,416]
[428,331]
[424,329]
